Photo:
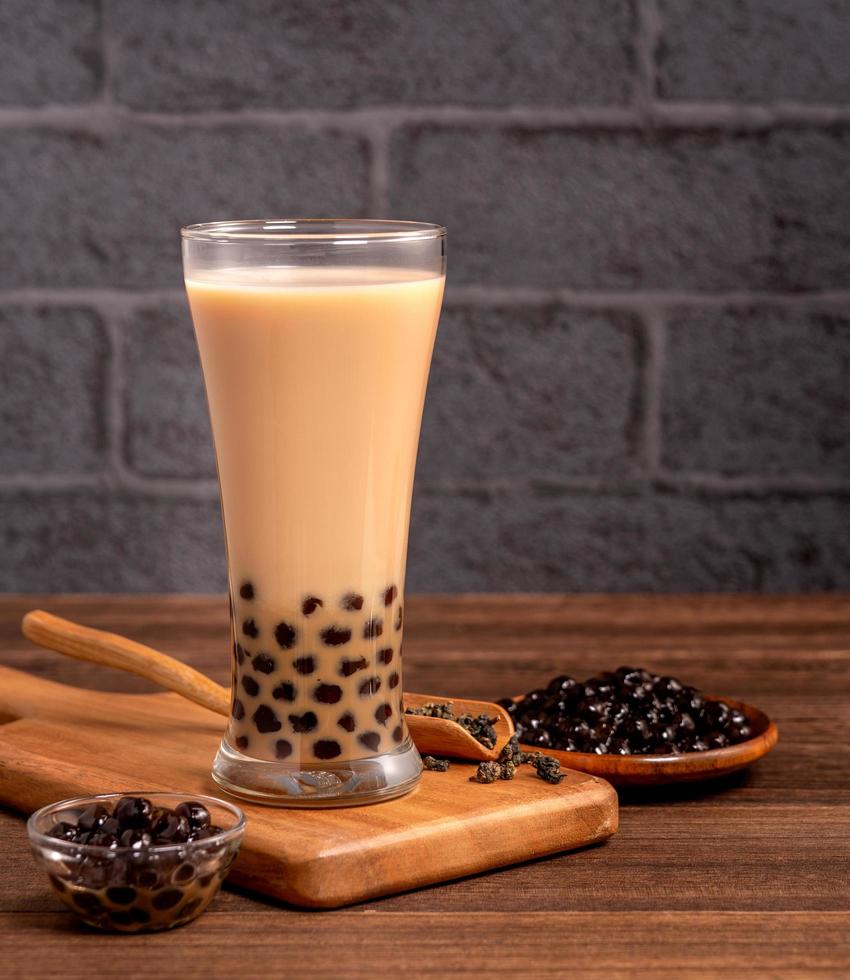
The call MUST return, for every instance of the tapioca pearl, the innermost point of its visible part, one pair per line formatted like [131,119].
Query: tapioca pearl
[370,686]
[285,636]
[347,721]
[351,602]
[304,723]
[310,604]
[394,680]
[399,618]
[241,743]
[304,665]
[371,740]
[246,591]
[285,691]
[250,628]
[190,908]
[266,720]
[385,656]
[398,733]
[238,710]
[166,899]
[382,713]
[389,595]
[250,686]
[263,663]
[185,872]
[121,894]
[335,636]
[240,654]
[282,750]
[372,628]
[347,666]
[327,693]
[326,748]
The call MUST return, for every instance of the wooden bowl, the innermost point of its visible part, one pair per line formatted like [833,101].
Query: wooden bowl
[660,770]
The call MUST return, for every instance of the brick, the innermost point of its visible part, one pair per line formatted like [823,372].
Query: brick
[106,209]
[522,541]
[758,392]
[168,432]
[754,50]
[529,391]
[53,377]
[49,51]
[548,207]
[96,541]
[343,53]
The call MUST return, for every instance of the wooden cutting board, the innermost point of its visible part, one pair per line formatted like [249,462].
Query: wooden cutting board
[58,741]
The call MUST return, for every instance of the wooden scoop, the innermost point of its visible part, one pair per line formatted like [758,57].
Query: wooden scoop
[433,736]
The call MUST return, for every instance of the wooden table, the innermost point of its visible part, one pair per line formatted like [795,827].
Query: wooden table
[752,876]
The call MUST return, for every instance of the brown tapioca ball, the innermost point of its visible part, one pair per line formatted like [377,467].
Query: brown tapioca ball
[282,750]
[240,654]
[348,667]
[372,628]
[250,686]
[246,591]
[385,656]
[304,665]
[250,628]
[382,712]
[398,733]
[266,720]
[347,722]
[326,748]
[399,618]
[310,604]
[238,710]
[371,740]
[335,636]
[393,680]
[328,693]
[389,595]
[285,636]
[370,686]
[241,743]
[351,602]
[285,691]
[304,723]
[166,899]
[263,663]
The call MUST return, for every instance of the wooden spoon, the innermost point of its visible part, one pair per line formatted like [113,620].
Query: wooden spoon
[433,736]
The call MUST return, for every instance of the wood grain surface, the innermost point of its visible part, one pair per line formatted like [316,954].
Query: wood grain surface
[750,876]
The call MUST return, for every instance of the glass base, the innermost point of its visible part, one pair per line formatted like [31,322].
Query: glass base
[328,784]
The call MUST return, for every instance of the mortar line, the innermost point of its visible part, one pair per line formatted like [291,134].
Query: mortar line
[104,115]
[379,171]
[648,29]
[650,433]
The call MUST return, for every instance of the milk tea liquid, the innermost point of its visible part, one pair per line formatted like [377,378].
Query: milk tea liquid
[315,380]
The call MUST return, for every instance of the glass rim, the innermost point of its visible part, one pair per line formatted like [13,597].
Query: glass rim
[350,231]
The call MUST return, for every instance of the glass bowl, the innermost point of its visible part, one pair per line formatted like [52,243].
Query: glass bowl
[141,888]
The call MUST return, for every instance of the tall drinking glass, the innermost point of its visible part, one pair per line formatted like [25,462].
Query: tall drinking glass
[315,338]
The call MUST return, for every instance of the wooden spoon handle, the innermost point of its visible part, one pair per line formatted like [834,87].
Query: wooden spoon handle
[113,650]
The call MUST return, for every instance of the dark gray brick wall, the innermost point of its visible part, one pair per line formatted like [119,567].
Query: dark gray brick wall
[755,50]
[204,54]
[642,375]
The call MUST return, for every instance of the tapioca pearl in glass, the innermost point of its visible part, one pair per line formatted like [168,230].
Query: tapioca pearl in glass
[335,636]
[266,720]
[347,721]
[327,748]
[399,619]
[306,722]
[394,680]
[373,628]
[285,691]
[250,628]
[241,742]
[351,602]
[398,733]
[246,591]
[382,713]
[310,604]
[237,710]
[370,740]
[349,666]
[369,687]
[286,635]
[385,656]
[264,664]
[389,595]
[327,693]
[305,665]
[250,686]
[282,748]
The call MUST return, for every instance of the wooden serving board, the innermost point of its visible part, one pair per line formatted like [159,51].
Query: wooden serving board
[58,741]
